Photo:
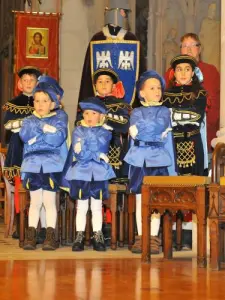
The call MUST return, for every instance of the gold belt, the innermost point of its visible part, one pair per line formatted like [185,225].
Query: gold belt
[186,134]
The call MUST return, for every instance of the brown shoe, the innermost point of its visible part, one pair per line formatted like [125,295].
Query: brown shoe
[50,243]
[137,246]
[31,239]
[155,244]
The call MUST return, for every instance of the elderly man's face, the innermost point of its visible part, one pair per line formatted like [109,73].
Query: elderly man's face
[191,47]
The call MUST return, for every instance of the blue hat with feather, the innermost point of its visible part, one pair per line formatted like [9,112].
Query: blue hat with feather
[50,90]
[93,103]
[52,82]
[148,75]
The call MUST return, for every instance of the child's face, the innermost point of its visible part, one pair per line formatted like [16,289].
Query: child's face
[43,104]
[92,117]
[27,83]
[183,73]
[104,85]
[151,90]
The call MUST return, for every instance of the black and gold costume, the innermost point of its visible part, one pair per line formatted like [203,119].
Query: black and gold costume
[15,111]
[188,111]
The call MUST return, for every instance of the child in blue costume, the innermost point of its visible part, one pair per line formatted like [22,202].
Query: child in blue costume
[44,135]
[88,175]
[151,152]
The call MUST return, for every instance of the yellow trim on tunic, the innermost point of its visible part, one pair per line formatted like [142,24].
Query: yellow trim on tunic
[18,109]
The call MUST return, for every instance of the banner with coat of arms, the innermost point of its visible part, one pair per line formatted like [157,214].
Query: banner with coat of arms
[36,43]
[122,56]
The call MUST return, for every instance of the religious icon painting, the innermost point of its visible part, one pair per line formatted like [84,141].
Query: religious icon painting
[37,41]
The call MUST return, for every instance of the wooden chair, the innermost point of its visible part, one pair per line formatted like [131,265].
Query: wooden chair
[169,194]
[131,221]
[6,196]
[217,209]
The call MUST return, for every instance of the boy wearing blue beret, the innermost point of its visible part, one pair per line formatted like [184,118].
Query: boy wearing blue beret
[88,175]
[44,135]
[151,152]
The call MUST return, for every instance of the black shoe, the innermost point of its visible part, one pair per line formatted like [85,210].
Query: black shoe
[41,236]
[15,235]
[78,244]
[98,241]
[31,239]
[50,243]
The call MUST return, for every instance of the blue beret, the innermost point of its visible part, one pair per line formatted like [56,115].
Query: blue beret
[48,89]
[148,75]
[93,103]
[52,82]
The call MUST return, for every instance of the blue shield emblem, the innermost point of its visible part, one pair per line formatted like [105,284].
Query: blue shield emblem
[122,57]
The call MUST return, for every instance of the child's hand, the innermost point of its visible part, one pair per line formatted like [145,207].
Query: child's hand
[133,131]
[77,148]
[49,128]
[164,133]
[32,141]
[107,127]
[104,157]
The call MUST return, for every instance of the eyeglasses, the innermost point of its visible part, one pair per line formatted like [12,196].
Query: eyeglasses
[193,45]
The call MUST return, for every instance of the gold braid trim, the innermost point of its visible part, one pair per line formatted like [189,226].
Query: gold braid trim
[180,97]
[18,109]
[11,172]
[192,113]
[187,134]
[115,106]
[114,156]
[124,121]
[185,154]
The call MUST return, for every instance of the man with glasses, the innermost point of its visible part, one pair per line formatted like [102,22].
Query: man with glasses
[191,45]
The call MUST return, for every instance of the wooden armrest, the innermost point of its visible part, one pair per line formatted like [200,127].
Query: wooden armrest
[176,180]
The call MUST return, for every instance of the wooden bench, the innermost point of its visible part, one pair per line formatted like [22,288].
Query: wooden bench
[169,194]
[65,230]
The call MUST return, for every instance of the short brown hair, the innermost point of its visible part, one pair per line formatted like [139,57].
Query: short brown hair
[192,35]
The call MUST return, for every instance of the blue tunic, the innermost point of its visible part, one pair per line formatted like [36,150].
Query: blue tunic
[150,153]
[88,167]
[44,153]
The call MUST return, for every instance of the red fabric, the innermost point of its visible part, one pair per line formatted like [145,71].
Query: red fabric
[27,24]
[108,216]
[211,84]
[16,193]
[118,90]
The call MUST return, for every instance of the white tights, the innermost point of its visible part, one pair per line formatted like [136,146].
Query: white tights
[82,208]
[155,219]
[42,199]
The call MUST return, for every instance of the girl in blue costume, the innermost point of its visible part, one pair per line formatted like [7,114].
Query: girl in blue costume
[88,175]
[151,152]
[44,135]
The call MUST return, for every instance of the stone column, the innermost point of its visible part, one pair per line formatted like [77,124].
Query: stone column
[150,36]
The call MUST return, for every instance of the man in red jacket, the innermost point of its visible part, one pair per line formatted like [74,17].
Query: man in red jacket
[191,45]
